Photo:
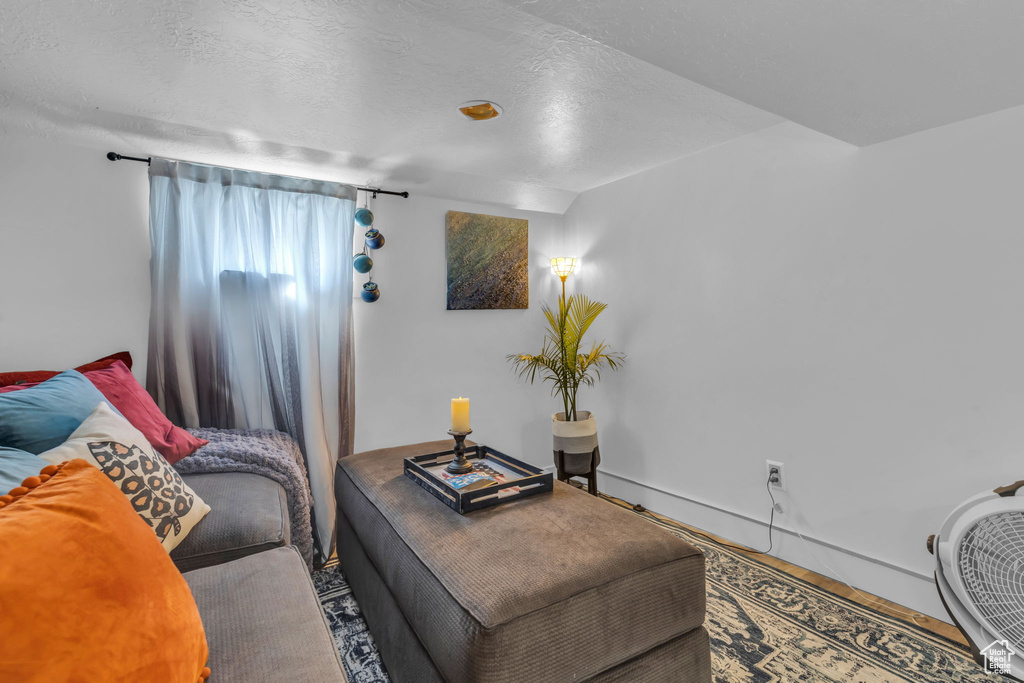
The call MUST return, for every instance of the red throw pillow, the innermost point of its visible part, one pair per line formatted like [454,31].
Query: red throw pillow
[119,386]
[124,392]
[36,376]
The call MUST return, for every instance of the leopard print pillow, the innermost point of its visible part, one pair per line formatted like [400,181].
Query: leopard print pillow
[155,489]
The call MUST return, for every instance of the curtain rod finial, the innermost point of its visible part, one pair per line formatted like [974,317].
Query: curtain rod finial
[113,156]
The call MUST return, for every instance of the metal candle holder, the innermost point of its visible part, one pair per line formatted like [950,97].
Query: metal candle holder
[460,465]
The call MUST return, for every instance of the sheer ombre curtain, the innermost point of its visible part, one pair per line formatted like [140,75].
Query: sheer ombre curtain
[251,310]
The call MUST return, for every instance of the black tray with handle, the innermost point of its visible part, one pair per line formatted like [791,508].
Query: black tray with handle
[428,471]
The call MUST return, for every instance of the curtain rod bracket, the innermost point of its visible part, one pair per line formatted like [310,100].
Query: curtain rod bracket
[114,156]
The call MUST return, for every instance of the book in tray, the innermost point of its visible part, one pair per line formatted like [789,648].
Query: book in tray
[470,481]
[484,474]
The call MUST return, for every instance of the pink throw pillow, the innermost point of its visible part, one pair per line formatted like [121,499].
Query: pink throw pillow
[117,383]
[125,393]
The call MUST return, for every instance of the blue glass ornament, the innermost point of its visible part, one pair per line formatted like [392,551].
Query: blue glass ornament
[362,263]
[374,240]
[370,292]
[364,218]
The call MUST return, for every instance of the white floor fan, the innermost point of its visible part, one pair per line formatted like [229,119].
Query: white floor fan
[979,571]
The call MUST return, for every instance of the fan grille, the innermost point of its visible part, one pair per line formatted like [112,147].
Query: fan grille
[991,561]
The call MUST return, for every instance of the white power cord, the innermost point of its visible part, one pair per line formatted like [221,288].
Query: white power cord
[867,598]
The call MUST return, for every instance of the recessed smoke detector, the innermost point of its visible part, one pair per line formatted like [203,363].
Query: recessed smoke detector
[480,110]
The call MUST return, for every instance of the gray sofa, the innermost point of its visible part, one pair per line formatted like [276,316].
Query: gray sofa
[261,613]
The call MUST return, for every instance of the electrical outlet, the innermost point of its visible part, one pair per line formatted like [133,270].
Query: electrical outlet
[778,470]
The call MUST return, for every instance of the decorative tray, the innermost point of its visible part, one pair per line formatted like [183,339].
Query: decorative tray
[512,479]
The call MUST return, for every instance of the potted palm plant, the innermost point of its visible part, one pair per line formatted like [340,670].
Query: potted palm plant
[565,363]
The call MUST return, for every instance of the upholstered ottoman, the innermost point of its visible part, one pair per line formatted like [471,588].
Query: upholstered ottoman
[554,587]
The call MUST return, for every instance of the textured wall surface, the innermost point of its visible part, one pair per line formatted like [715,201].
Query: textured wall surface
[862,71]
[355,91]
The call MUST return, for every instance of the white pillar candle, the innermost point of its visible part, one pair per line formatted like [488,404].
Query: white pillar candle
[460,414]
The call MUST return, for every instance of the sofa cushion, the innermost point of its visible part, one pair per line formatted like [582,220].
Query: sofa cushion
[263,620]
[248,514]
[525,582]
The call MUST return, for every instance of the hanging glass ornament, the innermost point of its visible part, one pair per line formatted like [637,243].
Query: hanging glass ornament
[370,292]
[362,262]
[374,240]
[364,217]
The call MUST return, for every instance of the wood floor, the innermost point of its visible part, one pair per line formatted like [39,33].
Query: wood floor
[882,605]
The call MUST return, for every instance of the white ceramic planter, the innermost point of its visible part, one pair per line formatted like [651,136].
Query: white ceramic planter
[578,439]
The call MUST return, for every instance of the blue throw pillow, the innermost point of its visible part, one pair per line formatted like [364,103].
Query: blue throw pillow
[42,417]
[17,466]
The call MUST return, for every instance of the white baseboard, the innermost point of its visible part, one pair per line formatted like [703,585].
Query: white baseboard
[899,584]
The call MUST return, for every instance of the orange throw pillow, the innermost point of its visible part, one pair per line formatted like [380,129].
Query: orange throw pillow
[87,593]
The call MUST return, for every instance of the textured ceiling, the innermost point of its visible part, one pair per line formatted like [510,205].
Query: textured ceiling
[862,71]
[364,91]
[355,91]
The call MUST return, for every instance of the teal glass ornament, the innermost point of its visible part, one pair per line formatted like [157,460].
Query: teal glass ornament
[362,263]
[364,217]
[370,292]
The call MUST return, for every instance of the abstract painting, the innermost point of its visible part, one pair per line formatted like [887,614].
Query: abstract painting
[487,261]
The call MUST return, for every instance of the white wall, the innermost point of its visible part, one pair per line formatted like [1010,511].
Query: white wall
[74,249]
[852,312]
[413,356]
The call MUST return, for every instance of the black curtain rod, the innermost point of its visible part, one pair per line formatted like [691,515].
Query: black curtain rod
[114,156]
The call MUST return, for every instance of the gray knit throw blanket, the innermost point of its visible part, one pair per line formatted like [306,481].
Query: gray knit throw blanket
[274,455]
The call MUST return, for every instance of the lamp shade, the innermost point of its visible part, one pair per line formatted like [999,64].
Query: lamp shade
[563,266]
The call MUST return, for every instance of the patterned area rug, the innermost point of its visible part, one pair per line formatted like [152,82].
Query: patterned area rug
[358,653]
[765,626]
